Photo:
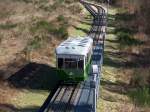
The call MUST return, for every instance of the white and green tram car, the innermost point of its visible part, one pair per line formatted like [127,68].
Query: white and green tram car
[73,58]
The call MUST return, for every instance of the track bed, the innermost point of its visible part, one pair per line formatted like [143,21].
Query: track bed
[73,98]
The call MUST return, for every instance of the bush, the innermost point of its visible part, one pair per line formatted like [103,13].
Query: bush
[61,18]
[62,32]
[63,21]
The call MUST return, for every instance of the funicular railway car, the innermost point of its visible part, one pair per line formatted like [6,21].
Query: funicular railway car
[73,58]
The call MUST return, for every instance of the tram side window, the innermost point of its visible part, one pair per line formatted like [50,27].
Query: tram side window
[60,62]
[81,64]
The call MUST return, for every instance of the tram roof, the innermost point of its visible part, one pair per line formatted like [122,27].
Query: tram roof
[75,46]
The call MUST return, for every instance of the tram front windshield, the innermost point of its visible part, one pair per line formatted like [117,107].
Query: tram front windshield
[70,63]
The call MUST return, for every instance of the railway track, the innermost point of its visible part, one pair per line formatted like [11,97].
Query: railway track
[82,97]
[63,99]
[72,98]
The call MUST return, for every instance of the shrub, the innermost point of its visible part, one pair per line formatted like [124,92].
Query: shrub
[62,32]
[61,18]
[43,24]
[63,21]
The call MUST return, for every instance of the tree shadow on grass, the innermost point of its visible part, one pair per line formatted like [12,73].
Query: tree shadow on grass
[113,87]
[140,95]
[117,87]
[124,59]
[138,60]
[29,109]
[125,16]
[108,61]
[111,23]
[35,76]
[11,108]
[111,20]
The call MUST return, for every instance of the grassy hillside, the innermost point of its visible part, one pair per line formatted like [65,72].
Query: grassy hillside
[126,72]
[30,30]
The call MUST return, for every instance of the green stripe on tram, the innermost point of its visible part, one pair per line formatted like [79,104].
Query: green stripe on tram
[76,75]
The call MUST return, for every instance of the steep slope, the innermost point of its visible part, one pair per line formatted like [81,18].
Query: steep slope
[29,32]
